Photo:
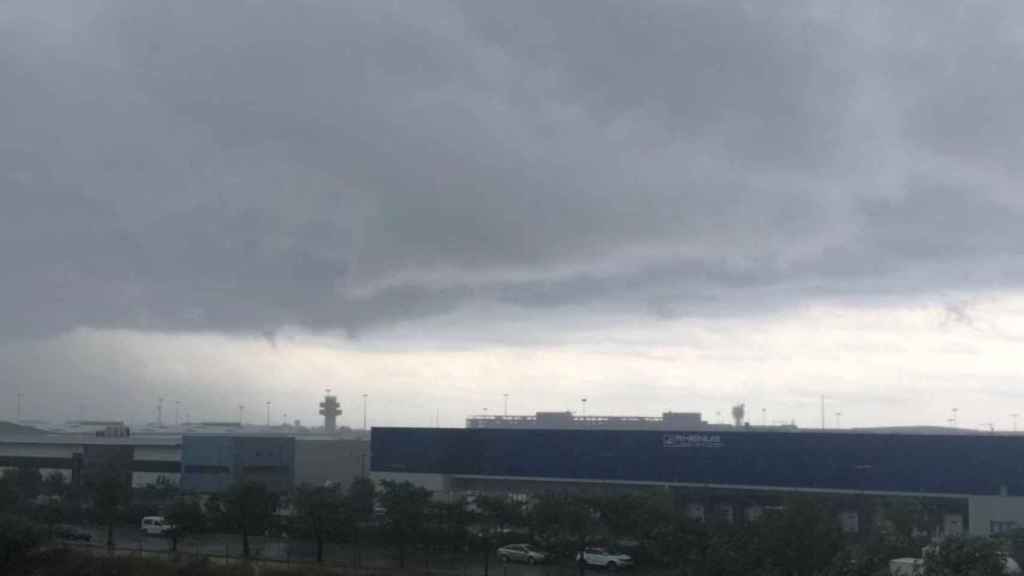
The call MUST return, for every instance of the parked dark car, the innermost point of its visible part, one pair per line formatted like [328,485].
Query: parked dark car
[71,533]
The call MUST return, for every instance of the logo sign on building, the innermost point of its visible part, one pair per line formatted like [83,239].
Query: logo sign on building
[691,441]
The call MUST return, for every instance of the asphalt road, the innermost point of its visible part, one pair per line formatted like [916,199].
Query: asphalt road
[130,538]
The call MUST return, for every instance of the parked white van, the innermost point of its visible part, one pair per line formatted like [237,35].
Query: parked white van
[156,525]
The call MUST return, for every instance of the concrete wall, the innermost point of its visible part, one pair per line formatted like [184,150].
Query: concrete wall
[214,463]
[207,463]
[322,460]
[998,512]
[268,460]
[40,450]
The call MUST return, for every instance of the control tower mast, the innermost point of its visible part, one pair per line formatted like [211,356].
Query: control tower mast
[330,410]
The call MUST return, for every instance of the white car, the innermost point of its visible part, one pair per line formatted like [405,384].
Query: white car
[521,553]
[156,526]
[604,558]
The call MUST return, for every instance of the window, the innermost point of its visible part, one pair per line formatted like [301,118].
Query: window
[996,527]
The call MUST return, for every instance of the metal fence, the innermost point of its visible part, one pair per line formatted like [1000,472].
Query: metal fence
[298,555]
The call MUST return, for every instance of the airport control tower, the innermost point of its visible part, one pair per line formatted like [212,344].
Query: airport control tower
[330,410]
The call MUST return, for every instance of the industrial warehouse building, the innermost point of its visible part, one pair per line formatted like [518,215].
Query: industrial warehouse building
[199,462]
[977,479]
[212,463]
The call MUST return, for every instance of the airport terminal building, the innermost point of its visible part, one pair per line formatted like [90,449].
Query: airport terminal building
[979,479]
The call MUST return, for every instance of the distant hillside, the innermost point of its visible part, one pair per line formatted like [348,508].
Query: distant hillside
[12,428]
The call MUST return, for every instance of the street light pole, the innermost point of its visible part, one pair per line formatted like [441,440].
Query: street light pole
[584,402]
[364,411]
[506,404]
[268,413]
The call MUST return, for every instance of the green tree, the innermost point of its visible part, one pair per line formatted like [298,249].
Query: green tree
[361,495]
[500,512]
[565,520]
[360,500]
[322,513]
[621,514]
[454,519]
[27,482]
[55,484]
[405,514]
[186,515]
[110,493]
[51,514]
[160,492]
[18,537]
[659,525]
[965,557]
[803,540]
[247,507]
[497,513]
[8,495]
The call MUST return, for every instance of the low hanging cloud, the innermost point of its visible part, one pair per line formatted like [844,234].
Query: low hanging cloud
[234,166]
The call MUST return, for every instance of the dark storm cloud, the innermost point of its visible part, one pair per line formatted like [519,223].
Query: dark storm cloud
[233,165]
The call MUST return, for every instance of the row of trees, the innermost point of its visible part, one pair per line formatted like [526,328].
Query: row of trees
[321,513]
[802,538]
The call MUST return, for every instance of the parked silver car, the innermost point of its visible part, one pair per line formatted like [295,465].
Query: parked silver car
[521,553]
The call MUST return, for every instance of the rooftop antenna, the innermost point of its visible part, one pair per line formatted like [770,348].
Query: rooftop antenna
[160,412]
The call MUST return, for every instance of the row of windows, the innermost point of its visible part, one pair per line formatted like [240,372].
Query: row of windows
[256,469]
[849,521]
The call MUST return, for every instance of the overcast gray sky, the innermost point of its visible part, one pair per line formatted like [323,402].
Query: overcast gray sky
[658,205]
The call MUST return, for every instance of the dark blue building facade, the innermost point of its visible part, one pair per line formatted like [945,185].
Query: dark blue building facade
[896,463]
